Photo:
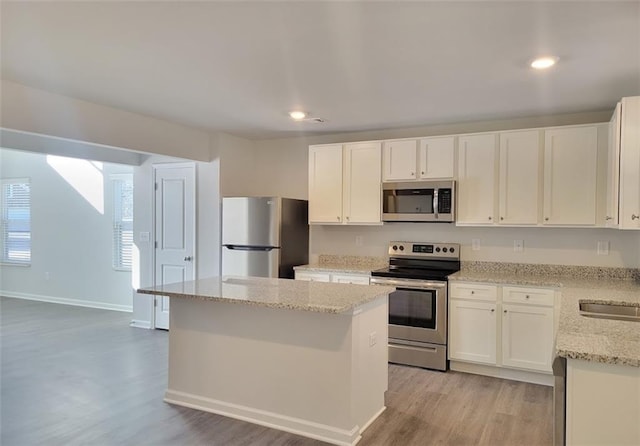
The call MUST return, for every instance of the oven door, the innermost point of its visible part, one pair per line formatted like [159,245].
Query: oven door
[417,310]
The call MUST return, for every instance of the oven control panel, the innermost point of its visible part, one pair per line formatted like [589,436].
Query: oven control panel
[417,249]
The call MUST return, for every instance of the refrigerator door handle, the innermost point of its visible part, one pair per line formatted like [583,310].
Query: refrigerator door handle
[250,248]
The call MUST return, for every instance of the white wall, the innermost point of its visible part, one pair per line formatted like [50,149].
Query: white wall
[71,237]
[32,110]
[282,170]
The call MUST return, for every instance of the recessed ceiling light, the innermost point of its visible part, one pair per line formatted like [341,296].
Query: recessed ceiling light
[542,63]
[297,115]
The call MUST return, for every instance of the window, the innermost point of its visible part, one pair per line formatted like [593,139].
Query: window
[16,221]
[122,221]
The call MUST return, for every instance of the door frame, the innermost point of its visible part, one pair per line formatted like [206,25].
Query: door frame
[156,167]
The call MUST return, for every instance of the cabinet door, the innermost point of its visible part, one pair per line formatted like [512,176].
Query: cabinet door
[325,184]
[400,160]
[613,169]
[435,158]
[312,277]
[519,178]
[630,164]
[472,331]
[527,337]
[476,179]
[350,278]
[362,186]
[570,176]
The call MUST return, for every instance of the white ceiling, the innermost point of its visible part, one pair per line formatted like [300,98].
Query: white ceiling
[239,67]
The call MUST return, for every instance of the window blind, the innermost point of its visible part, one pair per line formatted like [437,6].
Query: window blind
[122,221]
[16,221]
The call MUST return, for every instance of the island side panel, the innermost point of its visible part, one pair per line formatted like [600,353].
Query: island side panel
[371,356]
[288,369]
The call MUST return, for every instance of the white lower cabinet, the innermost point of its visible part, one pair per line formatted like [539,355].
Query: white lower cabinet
[309,276]
[472,331]
[527,337]
[502,326]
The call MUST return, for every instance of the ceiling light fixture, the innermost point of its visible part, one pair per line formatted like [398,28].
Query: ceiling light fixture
[297,115]
[542,63]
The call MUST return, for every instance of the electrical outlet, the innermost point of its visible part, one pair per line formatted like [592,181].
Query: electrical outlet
[145,236]
[518,245]
[603,248]
[359,240]
[373,338]
[475,244]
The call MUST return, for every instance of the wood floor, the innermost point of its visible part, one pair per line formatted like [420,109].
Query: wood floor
[80,376]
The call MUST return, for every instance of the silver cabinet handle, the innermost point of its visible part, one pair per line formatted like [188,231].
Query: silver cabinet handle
[490,218]
[505,311]
[473,292]
[493,310]
[413,174]
[501,218]
[635,217]
[546,219]
[422,173]
[526,297]
[188,259]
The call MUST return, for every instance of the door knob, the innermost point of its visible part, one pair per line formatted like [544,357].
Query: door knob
[188,259]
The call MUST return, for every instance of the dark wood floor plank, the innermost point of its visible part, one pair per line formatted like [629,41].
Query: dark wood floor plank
[81,376]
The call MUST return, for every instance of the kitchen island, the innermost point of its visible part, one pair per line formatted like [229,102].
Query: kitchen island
[304,357]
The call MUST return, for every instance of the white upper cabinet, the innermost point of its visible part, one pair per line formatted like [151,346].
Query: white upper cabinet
[570,176]
[362,190]
[400,160]
[476,179]
[519,185]
[410,159]
[629,210]
[435,157]
[325,184]
[344,183]
[613,169]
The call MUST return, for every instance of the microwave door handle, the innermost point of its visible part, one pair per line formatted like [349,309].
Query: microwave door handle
[435,203]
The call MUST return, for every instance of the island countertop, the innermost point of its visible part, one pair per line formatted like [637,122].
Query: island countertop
[274,293]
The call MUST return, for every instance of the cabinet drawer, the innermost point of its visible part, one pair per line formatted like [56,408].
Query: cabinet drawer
[474,291]
[533,296]
[350,278]
[312,277]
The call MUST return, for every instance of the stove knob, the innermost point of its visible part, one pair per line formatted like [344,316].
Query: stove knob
[401,248]
[437,249]
[451,250]
[444,249]
[395,248]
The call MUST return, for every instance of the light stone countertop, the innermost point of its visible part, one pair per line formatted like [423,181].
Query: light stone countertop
[580,337]
[274,293]
[344,264]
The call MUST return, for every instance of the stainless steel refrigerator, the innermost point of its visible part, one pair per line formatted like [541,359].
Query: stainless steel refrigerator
[264,236]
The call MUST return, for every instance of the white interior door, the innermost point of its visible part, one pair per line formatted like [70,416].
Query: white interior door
[174,231]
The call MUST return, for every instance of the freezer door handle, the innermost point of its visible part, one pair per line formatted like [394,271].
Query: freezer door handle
[250,248]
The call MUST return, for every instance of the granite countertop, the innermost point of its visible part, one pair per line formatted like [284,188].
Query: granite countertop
[274,293]
[344,264]
[578,337]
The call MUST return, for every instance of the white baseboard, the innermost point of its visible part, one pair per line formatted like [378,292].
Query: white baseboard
[541,378]
[373,418]
[140,324]
[272,420]
[67,301]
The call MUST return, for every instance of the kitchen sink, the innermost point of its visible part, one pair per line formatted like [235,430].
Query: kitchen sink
[610,311]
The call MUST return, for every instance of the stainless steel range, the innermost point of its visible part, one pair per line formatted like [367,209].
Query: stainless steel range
[418,307]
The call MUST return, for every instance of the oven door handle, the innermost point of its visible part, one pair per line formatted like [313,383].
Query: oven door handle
[411,284]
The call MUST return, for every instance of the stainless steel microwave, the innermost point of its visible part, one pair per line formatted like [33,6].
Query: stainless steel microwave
[419,201]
